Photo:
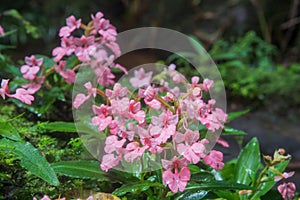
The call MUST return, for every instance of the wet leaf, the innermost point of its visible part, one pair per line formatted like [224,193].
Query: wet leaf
[31,159]
[248,163]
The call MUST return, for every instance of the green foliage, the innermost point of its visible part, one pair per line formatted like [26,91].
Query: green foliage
[248,163]
[31,159]
[136,188]
[67,127]
[80,169]
[248,69]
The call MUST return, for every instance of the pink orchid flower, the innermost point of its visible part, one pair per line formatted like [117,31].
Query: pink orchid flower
[287,190]
[2,33]
[177,181]
[109,161]
[141,78]
[214,159]
[134,151]
[23,95]
[4,88]
[284,175]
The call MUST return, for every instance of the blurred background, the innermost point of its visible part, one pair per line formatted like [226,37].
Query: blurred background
[255,44]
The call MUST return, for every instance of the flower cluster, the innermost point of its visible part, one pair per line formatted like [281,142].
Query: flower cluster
[92,48]
[134,130]
[154,120]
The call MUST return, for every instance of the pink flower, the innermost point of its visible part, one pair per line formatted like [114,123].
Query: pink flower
[189,137]
[29,72]
[193,152]
[177,181]
[222,142]
[287,190]
[101,122]
[207,84]
[167,122]
[32,67]
[61,66]
[211,119]
[45,197]
[120,107]
[165,118]
[109,34]
[58,53]
[118,91]
[81,98]
[83,45]
[109,161]
[4,88]
[175,163]
[32,87]
[72,24]
[105,77]
[23,95]
[135,112]
[149,138]
[113,144]
[141,78]
[69,75]
[284,175]
[2,33]
[214,159]
[114,47]
[149,94]
[134,151]
[32,61]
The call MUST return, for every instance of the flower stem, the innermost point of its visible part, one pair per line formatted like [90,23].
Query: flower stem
[162,101]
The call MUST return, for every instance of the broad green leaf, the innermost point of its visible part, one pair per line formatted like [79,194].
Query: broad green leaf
[80,169]
[192,195]
[202,177]
[232,131]
[8,131]
[68,127]
[122,176]
[228,171]
[233,115]
[91,169]
[31,159]
[248,163]
[218,185]
[272,194]
[266,186]
[227,195]
[136,188]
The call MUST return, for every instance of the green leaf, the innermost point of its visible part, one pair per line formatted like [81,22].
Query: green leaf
[136,188]
[233,115]
[47,62]
[218,185]
[91,169]
[228,171]
[67,127]
[231,131]
[266,186]
[8,131]
[80,169]
[202,177]
[248,163]
[192,195]
[31,159]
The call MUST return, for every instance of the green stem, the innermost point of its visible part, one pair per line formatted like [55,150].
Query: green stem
[162,101]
